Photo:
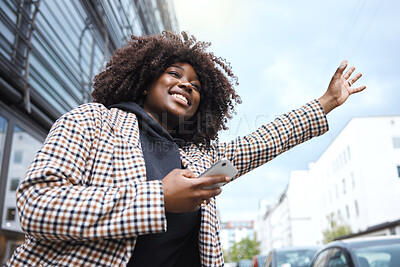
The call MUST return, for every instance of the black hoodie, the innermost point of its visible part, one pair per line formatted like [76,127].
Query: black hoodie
[179,245]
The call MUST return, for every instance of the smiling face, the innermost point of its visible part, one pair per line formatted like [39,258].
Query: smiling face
[174,96]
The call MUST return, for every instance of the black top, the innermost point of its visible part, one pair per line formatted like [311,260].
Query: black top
[178,246]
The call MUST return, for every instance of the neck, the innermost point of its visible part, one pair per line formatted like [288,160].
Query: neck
[167,123]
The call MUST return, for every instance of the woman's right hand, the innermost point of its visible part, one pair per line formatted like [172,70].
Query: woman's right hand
[183,191]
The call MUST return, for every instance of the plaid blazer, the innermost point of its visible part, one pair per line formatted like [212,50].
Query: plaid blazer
[85,197]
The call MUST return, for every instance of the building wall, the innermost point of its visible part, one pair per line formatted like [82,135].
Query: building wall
[49,53]
[234,231]
[300,198]
[357,178]
[262,227]
[280,223]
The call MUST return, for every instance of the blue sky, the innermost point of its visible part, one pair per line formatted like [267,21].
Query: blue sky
[284,54]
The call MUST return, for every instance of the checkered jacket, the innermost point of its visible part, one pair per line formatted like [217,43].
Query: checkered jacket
[85,197]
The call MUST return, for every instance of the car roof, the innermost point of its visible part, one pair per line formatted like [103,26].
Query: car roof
[362,241]
[296,248]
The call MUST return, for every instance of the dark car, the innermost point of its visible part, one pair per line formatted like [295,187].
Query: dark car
[290,257]
[366,252]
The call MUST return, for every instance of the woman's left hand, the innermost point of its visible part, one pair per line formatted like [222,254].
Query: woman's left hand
[340,88]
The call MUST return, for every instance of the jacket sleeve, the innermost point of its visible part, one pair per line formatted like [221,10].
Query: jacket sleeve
[274,138]
[56,201]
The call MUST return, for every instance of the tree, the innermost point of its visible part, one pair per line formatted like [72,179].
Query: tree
[337,228]
[244,249]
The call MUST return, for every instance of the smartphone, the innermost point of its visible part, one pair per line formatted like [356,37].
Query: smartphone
[224,167]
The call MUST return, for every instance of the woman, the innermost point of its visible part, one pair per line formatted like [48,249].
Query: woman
[115,183]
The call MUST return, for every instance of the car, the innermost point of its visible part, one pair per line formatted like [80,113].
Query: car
[244,263]
[361,252]
[299,256]
[258,261]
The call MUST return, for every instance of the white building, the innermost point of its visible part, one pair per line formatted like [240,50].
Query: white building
[288,222]
[356,178]
[234,231]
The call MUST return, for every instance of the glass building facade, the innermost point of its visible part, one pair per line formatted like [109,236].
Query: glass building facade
[49,52]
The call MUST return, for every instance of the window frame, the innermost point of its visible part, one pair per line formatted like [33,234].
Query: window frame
[14,118]
[344,252]
[329,250]
[319,255]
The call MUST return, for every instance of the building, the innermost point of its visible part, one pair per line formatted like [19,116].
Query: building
[288,221]
[357,179]
[49,53]
[234,231]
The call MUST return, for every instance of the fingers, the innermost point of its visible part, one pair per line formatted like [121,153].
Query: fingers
[349,72]
[353,79]
[188,173]
[347,75]
[341,68]
[357,89]
[210,186]
[207,182]
[184,192]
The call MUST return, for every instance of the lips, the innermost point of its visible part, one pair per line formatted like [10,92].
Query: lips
[181,97]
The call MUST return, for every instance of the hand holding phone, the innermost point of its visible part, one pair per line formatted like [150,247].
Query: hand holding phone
[222,167]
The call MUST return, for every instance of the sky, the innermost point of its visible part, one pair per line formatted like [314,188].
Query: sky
[284,54]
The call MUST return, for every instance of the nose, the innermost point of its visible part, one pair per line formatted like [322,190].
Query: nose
[186,85]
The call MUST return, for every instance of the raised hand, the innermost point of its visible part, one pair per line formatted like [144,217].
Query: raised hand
[340,88]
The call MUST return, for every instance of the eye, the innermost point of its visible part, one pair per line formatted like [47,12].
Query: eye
[175,74]
[196,87]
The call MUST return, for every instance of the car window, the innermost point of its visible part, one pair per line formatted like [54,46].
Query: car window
[338,258]
[295,258]
[387,255]
[321,259]
[375,259]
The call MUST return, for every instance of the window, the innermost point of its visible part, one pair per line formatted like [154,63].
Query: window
[3,129]
[18,156]
[356,207]
[396,142]
[7,36]
[321,259]
[385,255]
[348,153]
[14,182]
[10,216]
[398,171]
[338,259]
[347,212]
[344,186]
[23,148]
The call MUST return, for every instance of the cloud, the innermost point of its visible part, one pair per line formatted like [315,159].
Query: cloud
[292,80]
[222,17]
[374,97]
[285,54]
[245,193]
